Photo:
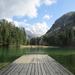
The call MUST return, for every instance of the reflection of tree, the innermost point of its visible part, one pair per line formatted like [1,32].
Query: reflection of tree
[4,54]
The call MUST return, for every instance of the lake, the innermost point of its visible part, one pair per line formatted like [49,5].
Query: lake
[65,56]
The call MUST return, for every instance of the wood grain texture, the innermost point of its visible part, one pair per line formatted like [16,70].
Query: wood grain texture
[35,65]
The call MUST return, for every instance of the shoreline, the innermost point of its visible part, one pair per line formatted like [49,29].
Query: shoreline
[35,46]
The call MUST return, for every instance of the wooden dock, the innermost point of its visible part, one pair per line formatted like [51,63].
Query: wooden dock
[35,65]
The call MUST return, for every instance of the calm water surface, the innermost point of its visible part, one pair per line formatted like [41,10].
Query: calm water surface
[65,56]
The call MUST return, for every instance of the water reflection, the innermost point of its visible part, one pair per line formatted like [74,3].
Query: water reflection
[65,57]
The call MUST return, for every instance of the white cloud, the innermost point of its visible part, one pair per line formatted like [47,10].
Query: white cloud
[14,22]
[36,30]
[29,8]
[47,17]
[48,2]
[39,29]
[9,8]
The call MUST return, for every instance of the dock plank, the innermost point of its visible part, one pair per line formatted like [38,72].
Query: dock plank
[35,65]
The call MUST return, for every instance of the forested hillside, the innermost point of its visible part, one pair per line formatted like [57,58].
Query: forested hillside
[10,34]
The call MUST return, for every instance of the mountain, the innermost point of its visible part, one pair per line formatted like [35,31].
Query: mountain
[62,31]
[67,20]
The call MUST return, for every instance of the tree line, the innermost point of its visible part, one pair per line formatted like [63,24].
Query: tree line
[61,38]
[10,34]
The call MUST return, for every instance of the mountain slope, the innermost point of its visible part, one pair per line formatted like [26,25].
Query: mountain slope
[62,31]
[64,21]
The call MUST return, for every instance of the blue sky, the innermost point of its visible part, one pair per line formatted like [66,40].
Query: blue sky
[36,16]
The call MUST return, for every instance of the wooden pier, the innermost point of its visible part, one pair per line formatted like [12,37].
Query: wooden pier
[35,65]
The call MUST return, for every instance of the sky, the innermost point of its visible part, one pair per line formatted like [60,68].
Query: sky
[36,16]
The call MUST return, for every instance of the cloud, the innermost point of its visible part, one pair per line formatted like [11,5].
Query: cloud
[35,30]
[21,7]
[48,2]
[14,22]
[38,29]
[29,8]
[47,17]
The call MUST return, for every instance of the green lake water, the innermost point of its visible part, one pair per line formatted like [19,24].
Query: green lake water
[65,56]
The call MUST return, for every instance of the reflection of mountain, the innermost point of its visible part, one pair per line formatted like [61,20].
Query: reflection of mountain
[62,31]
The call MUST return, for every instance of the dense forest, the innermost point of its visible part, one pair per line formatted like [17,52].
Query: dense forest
[10,34]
